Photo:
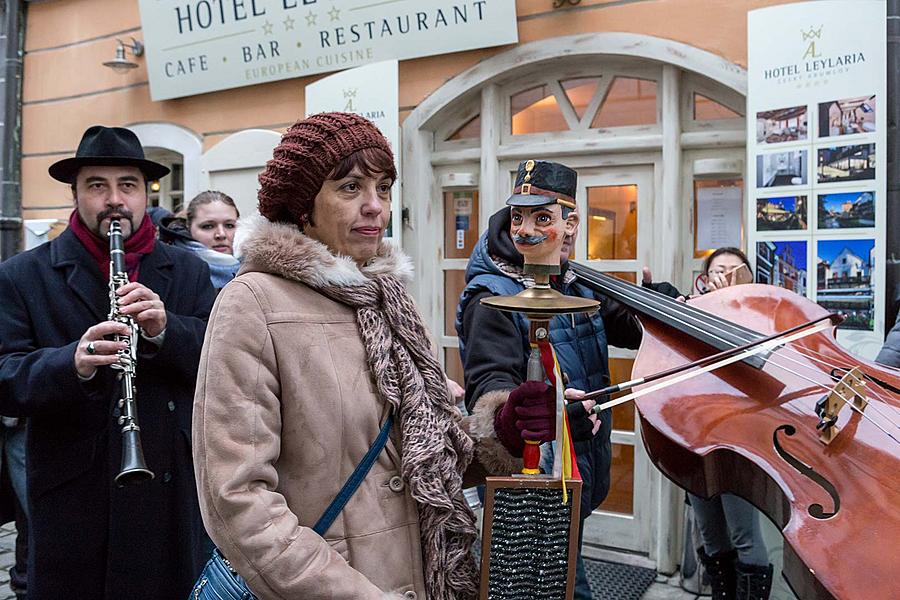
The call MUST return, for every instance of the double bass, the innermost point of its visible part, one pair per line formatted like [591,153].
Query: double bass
[806,431]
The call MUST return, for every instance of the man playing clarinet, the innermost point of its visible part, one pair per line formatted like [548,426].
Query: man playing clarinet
[90,537]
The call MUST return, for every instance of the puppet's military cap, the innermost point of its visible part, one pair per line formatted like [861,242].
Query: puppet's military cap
[540,182]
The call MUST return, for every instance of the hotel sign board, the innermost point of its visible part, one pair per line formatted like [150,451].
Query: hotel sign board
[198,46]
[816,157]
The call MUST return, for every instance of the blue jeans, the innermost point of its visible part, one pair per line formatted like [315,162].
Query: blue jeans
[728,522]
[219,582]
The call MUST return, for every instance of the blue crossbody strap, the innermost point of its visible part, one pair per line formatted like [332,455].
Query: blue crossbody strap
[356,478]
[220,581]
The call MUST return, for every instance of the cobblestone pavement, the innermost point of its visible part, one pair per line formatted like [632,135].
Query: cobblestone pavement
[7,558]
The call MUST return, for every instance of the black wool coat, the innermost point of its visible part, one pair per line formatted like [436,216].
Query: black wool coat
[89,537]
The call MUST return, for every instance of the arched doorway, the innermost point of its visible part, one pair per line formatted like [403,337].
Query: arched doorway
[179,149]
[647,123]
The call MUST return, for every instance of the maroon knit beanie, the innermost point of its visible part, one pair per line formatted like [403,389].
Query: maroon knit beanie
[309,151]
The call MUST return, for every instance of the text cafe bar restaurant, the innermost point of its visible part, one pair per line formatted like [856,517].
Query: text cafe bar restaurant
[684,140]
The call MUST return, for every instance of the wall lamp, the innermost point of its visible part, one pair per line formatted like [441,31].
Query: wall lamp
[121,64]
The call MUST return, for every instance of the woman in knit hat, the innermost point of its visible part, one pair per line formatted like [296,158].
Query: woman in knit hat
[313,355]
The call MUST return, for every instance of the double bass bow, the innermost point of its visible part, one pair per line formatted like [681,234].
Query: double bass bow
[804,430]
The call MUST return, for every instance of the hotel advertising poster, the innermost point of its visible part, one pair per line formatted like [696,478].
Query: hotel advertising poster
[198,46]
[816,141]
[373,92]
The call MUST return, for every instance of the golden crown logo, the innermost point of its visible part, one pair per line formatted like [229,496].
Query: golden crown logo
[812,33]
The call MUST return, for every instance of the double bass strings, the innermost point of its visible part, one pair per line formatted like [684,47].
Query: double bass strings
[668,305]
[878,391]
[654,301]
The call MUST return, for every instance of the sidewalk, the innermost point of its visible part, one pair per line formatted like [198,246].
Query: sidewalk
[667,588]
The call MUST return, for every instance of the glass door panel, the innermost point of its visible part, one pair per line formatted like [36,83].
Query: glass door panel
[629,276]
[612,222]
[460,223]
[621,481]
[460,236]
[453,365]
[730,188]
[616,208]
[454,284]
[623,414]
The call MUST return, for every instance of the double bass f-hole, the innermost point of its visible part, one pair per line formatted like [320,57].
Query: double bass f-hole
[817,511]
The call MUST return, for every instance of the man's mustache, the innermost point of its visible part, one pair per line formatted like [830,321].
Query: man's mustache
[117,213]
[529,240]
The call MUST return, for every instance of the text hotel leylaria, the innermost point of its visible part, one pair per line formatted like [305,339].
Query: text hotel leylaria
[199,46]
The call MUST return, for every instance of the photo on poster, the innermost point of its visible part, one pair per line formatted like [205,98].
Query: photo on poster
[845,280]
[781,125]
[781,213]
[781,168]
[846,210]
[782,264]
[847,116]
[846,163]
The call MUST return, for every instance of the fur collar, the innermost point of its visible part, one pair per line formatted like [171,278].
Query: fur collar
[282,249]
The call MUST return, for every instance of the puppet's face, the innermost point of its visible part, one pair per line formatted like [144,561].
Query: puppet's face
[538,232]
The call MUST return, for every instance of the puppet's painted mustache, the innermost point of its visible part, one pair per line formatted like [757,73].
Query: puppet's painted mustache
[529,240]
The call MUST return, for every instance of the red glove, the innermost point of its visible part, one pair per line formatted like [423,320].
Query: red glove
[528,414]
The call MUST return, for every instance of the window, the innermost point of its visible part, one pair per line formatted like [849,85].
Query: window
[612,222]
[470,130]
[706,109]
[167,192]
[628,102]
[536,110]
[580,92]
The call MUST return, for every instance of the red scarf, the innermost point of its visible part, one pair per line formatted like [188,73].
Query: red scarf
[140,242]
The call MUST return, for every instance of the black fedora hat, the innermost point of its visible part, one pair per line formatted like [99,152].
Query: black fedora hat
[107,146]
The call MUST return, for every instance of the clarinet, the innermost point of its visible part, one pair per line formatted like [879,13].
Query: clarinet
[134,468]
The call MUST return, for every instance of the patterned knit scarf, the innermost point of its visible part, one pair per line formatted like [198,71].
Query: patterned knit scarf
[435,449]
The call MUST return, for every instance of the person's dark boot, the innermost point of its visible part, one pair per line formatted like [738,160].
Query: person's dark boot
[722,575]
[754,582]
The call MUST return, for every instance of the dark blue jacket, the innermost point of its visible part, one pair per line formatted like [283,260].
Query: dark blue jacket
[89,537]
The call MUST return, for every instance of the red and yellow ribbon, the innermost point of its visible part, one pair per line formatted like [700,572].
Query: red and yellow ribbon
[564,444]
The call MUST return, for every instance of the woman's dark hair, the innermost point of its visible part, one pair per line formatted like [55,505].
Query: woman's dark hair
[370,162]
[208,197]
[725,250]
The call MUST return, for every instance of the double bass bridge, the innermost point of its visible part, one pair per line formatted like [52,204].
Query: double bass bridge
[850,390]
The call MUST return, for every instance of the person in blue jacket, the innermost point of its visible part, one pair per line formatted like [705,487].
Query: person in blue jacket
[494,346]
[207,231]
